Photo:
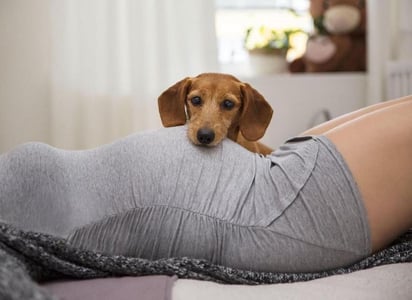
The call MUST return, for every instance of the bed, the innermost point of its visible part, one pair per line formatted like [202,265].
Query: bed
[392,281]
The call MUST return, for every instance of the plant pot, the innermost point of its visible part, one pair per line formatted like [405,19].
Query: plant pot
[267,61]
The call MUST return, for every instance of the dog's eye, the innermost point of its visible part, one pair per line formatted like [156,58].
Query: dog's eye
[228,104]
[196,101]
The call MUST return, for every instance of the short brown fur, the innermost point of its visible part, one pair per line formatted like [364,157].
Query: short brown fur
[245,122]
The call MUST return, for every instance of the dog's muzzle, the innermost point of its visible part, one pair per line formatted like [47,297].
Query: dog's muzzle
[205,136]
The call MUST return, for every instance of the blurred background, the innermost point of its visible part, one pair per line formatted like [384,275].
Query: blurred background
[80,73]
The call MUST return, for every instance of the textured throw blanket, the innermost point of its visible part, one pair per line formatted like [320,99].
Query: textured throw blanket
[27,258]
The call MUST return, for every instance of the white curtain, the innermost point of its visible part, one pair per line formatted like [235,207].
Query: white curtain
[112,58]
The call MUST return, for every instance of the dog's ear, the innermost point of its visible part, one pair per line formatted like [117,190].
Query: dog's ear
[172,104]
[256,113]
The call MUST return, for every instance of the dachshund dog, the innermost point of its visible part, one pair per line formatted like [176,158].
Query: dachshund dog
[217,106]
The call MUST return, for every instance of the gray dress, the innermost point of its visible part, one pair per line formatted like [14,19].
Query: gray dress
[155,195]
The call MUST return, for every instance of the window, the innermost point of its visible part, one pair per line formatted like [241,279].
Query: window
[235,17]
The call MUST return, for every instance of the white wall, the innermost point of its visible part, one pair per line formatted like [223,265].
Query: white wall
[403,25]
[24,72]
[297,100]
[389,39]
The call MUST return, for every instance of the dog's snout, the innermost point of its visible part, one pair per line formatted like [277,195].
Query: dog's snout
[205,136]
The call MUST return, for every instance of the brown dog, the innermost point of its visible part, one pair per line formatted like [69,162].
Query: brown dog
[217,105]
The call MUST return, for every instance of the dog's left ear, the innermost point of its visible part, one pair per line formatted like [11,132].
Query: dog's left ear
[256,113]
[172,103]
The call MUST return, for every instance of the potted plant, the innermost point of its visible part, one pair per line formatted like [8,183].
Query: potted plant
[267,48]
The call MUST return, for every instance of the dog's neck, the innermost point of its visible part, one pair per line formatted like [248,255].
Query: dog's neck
[233,133]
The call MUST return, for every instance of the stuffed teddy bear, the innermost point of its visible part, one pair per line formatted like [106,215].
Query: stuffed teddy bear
[340,40]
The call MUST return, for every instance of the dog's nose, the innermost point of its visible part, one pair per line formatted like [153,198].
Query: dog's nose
[205,136]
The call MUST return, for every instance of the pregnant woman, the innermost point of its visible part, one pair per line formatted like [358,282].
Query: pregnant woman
[325,199]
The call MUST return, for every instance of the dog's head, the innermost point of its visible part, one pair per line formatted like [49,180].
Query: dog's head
[216,105]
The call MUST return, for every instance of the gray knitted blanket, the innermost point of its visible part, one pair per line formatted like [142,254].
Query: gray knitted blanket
[27,258]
